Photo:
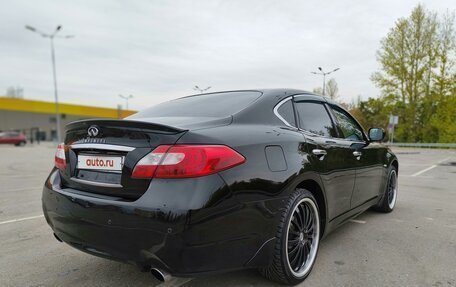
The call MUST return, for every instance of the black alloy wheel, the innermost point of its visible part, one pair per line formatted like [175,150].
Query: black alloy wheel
[297,240]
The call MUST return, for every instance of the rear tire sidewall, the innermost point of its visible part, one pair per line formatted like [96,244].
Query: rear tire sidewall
[384,205]
[293,279]
[392,173]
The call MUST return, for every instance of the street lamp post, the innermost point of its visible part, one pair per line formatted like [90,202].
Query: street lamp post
[196,88]
[324,76]
[126,98]
[54,72]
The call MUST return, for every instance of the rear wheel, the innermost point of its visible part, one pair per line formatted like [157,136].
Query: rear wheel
[298,237]
[389,197]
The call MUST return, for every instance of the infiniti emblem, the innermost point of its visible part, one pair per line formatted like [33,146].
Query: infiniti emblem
[93,131]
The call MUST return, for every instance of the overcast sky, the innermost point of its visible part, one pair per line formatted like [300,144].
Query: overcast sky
[158,50]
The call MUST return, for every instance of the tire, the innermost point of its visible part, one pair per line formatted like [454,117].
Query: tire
[297,240]
[388,201]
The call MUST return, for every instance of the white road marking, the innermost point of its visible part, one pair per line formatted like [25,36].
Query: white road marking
[424,170]
[174,282]
[445,159]
[21,219]
[357,221]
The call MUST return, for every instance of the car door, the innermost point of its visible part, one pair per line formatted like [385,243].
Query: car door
[368,157]
[331,157]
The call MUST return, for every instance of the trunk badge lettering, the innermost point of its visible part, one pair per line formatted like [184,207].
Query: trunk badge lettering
[90,140]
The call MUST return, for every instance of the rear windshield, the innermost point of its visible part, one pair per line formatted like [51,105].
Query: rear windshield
[210,105]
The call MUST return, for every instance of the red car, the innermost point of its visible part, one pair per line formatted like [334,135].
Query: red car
[15,138]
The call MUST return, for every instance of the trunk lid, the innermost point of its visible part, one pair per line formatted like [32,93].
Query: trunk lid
[101,154]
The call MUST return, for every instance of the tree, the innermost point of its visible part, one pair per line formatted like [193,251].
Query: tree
[444,120]
[318,91]
[417,71]
[444,79]
[15,92]
[332,89]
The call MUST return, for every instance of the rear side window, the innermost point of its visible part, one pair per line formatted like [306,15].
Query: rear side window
[210,105]
[314,118]
[286,112]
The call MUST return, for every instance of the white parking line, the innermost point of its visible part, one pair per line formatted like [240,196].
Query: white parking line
[424,170]
[445,159]
[357,221]
[21,219]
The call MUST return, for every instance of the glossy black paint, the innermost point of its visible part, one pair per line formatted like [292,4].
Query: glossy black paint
[142,136]
[224,221]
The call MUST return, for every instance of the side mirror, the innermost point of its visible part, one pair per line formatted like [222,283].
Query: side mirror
[376,134]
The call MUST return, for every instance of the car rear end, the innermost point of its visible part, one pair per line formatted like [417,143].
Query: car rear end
[91,197]
[128,190]
[99,156]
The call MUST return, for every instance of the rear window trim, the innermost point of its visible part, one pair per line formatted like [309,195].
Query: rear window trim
[277,114]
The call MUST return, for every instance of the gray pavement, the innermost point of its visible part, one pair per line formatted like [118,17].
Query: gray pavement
[415,245]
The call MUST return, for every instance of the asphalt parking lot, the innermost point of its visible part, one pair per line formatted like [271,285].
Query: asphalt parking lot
[413,246]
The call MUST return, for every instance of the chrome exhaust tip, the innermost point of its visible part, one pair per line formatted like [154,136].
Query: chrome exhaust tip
[160,274]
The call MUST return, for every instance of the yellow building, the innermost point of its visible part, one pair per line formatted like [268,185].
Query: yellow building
[36,119]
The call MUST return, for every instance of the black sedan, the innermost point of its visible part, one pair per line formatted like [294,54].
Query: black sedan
[218,182]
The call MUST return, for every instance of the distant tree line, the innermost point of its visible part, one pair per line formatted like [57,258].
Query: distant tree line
[417,79]
[331,89]
[15,92]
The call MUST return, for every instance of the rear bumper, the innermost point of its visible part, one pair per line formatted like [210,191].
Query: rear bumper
[183,235]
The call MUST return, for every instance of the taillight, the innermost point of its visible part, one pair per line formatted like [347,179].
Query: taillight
[181,161]
[60,161]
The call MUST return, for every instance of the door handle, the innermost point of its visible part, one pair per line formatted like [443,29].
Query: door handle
[319,153]
[357,154]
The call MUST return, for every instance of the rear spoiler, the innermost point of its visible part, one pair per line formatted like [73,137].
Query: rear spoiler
[139,125]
